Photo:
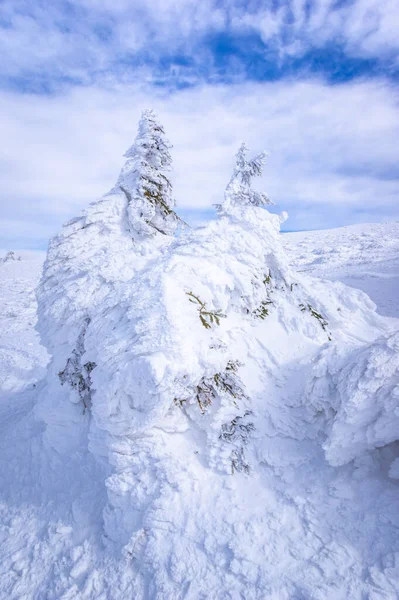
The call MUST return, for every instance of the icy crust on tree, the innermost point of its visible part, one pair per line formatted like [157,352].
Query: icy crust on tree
[239,191]
[91,255]
[144,181]
[101,248]
[359,396]
[157,338]
[84,261]
[170,329]
[191,347]
[179,337]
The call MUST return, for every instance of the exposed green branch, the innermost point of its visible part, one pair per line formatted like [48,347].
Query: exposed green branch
[323,323]
[262,311]
[207,317]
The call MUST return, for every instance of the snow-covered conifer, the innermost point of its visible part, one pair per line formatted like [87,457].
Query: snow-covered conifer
[193,366]
[92,257]
[10,256]
[239,191]
[144,181]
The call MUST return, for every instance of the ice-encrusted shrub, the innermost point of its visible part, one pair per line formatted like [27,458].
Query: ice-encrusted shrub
[262,290]
[209,389]
[239,191]
[238,433]
[218,398]
[9,257]
[268,278]
[76,374]
[263,310]
[316,315]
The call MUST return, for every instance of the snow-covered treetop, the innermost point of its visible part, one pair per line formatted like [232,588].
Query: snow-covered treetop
[144,182]
[10,256]
[150,142]
[239,191]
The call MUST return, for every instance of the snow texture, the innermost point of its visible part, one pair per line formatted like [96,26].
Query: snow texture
[212,423]
[362,256]
[359,395]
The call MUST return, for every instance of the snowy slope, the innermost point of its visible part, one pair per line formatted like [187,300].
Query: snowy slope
[298,527]
[363,256]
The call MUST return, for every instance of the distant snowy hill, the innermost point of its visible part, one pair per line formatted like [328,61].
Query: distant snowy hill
[362,256]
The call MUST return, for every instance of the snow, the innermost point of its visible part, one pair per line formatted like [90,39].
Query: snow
[362,256]
[364,413]
[22,358]
[133,495]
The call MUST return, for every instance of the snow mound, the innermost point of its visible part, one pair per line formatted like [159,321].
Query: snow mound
[359,395]
[176,314]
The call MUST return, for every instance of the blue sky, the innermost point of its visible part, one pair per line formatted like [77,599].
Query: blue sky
[315,82]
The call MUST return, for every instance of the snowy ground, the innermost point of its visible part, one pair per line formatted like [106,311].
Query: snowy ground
[22,357]
[297,529]
[362,256]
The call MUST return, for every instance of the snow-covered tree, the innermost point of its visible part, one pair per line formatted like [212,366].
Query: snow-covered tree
[144,181]
[175,360]
[10,256]
[239,191]
[89,261]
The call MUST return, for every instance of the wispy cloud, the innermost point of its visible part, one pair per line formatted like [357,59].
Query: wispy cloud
[45,46]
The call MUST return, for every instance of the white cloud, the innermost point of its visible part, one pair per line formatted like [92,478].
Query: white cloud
[93,41]
[364,28]
[331,149]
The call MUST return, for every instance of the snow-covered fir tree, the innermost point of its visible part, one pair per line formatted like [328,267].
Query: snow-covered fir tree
[144,181]
[92,256]
[9,257]
[186,374]
[239,191]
